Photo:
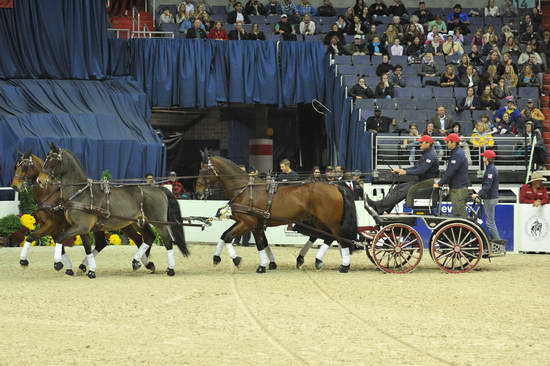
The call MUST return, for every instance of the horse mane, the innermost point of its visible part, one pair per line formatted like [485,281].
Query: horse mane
[77,167]
[228,167]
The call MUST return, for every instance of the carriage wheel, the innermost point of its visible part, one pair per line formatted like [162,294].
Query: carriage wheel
[397,248]
[366,236]
[457,248]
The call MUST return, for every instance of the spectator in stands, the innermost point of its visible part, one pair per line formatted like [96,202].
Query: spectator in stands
[378,123]
[477,39]
[188,6]
[397,79]
[433,32]
[334,31]
[218,32]
[372,32]
[463,64]
[361,90]
[429,67]
[357,47]
[397,9]
[207,22]
[307,26]
[502,90]
[177,187]
[329,173]
[237,34]
[526,22]
[201,11]
[534,191]
[326,10]
[305,8]
[450,47]
[431,131]
[415,49]
[476,58]
[469,102]
[423,14]
[206,5]
[378,8]
[255,7]
[533,136]
[396,49]
[181,16]
[487,100]
[384,89]
[285,29]
[389,36]
[438,24]
[492,10]
[273,7]
[527,78]
[196,32]
[504,125]
[255,33]
[384,67]
[510,108]
[545,45]
[237,15]
[357,27]
[341,24]
[230,6]
[411,144]
[509,9]
[511,47]
[435,46]
[482,137]
[150,178]
[316,174]
[442,120]
[506,60]
[510,78]
[449,78]
[376,48]
[365,16]
[416,25]
[338,172]
[166,17]
[335,48]
[470,79]
[348,16]
[535,113]
[456,128]
[358,7]
[185,24]
[489,78]
[525,55]
[529,36]
[458,19]
[287,175]
[396,22]
[289,9]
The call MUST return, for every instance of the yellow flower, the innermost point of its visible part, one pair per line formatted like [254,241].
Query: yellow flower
[51,242]
[28,221]
[33,244]
[78,240]
[131,242]
[114,239]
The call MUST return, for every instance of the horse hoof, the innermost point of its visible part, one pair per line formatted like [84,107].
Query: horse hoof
[216,259]
[272,265]
[261,269]
[237,261]
[91,274]
[319,264]
[58,266]
[299,261]
[151,267]
[343,269]
[135,265]
[24,262]
[82,268]
[69,272]
[170,272]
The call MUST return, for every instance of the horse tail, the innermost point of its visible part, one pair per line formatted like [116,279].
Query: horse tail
[174,215]
[348,226]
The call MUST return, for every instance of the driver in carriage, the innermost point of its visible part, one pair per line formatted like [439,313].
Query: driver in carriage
[425,169]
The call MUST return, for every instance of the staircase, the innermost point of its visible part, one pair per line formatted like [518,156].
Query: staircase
[545,101]
[125,22]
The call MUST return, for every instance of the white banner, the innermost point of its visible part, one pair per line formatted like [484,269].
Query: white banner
[534,228]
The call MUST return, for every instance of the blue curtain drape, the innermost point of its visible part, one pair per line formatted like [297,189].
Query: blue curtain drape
[97,120]
[119,57]
[58,39]
[303,67]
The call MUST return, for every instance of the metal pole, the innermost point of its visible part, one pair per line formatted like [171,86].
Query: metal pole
[531,158]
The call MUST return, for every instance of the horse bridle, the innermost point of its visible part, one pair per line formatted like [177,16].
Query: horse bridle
[25,164]
[208,191]
[56,157]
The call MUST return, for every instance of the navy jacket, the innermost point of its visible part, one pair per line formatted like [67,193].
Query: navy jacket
[456,175]
[489,185]
[426,167]
[290,177]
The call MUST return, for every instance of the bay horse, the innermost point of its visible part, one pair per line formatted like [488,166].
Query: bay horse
[92,206]
[330,205]
[52,222]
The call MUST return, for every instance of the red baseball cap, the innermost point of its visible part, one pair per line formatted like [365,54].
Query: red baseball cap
[489,154]
[426,138]
[452,137]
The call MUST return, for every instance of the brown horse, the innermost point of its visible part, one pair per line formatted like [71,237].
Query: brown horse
[51,222]
[330,205]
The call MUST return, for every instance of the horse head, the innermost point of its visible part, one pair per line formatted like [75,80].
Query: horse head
[27,169]
[208,177]
[53,168]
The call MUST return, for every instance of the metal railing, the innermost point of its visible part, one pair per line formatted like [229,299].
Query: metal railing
[118,31]
[392,151]
[152,34]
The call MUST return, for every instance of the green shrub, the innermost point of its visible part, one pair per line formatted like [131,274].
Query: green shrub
[27,204]
[9,225]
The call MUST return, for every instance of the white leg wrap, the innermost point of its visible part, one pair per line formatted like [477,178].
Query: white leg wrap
[141,251]
[171,258]
[231,250]
[67,261]
[144,259]
[322,251]
[305,249]
[25,250]
[219,247]
[270,254]
[57,253]
[85,261]
[345,257]
[264,261]
[91,262]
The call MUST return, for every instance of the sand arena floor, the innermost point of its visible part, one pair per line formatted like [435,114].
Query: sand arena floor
[205,315]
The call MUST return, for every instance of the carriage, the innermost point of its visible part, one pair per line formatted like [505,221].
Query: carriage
[456,245]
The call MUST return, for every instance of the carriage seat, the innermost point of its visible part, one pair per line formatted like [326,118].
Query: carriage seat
[422,196]
[386,219]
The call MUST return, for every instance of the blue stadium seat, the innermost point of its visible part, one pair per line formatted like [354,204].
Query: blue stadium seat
[365,104]
[464,115]
[399,60]
[392,113]
[367,70]
[349,80]
[404,93]
[443,92]
[528,92]
[272,19]
[416,116]
[467,128]
[258,19]
[476,20]
[372,81]
[361,60]
[425,103]
[346,69]
[342,60]
[476,115]
[324,27]
[366,113]
[328,20]
[385,104]
[496,21]
[448,103]
[423,93]
[431,79]
[218,9]
[453,59]
[348,38]
[274,37]
[315,38]
[405,104]
[413,81]
[460,93]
